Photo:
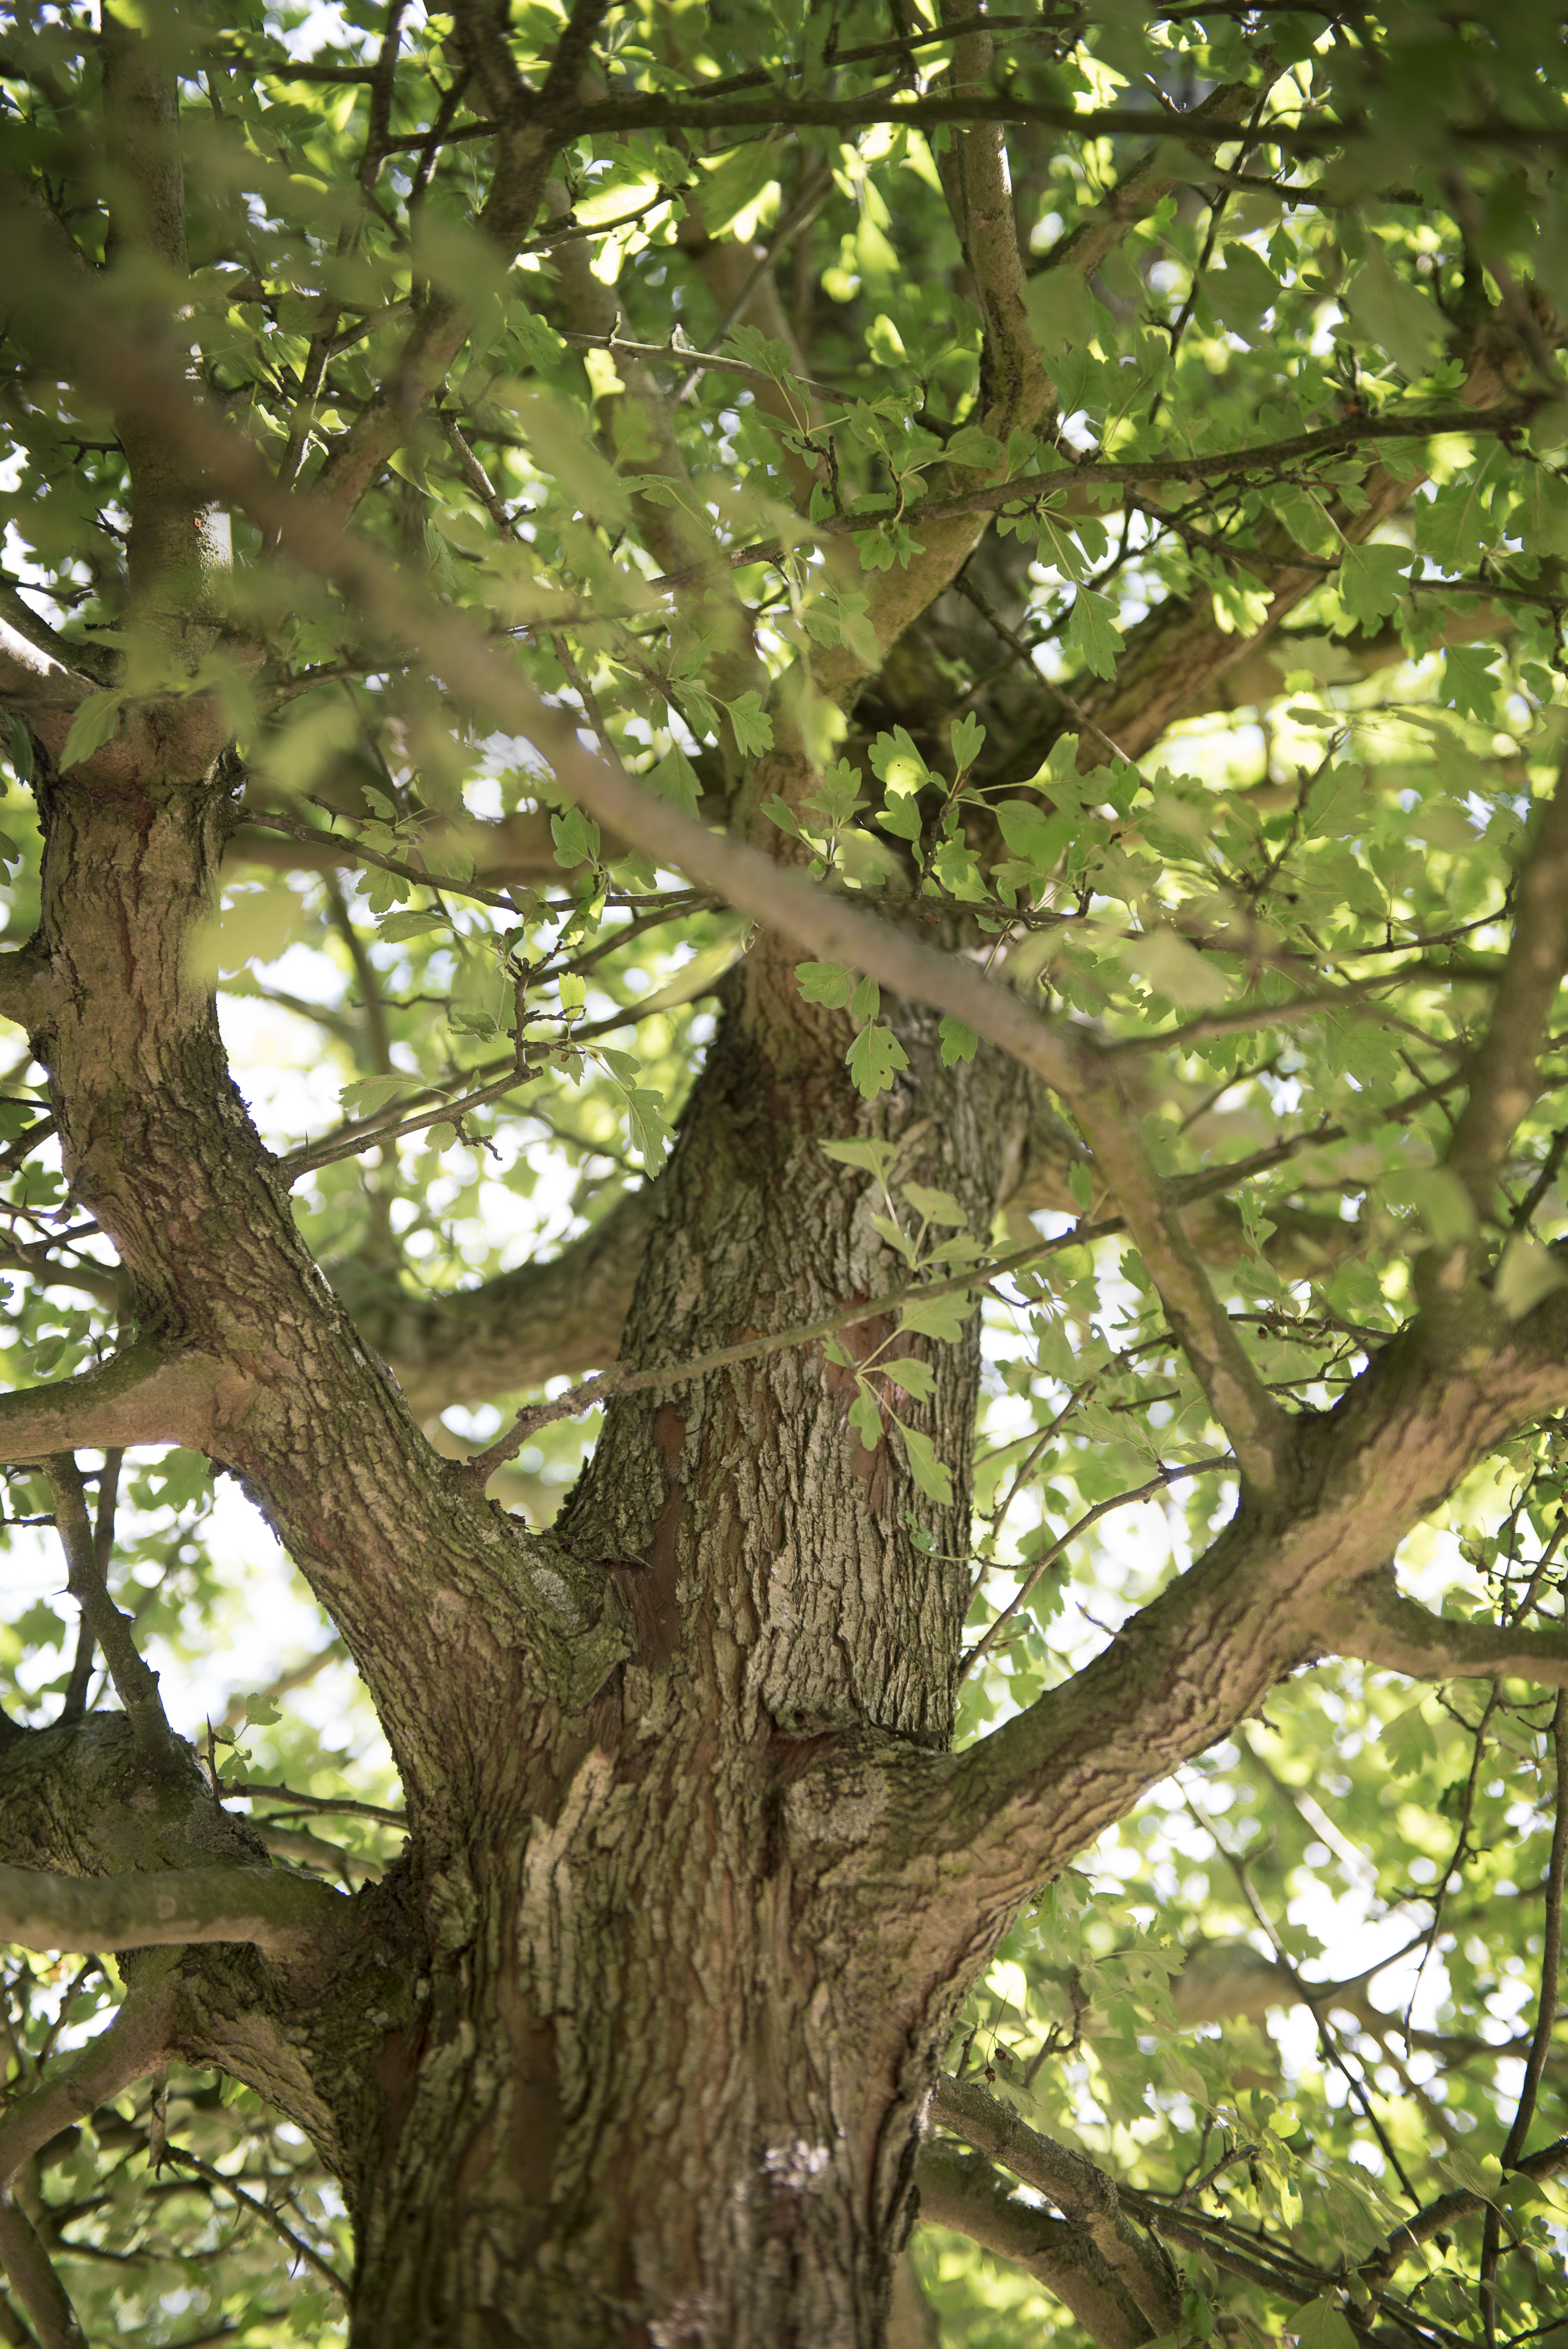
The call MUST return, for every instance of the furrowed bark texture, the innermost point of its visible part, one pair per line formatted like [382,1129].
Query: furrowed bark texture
[681,2108]
[634,2047]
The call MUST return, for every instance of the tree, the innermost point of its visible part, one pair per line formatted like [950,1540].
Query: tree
[985,549]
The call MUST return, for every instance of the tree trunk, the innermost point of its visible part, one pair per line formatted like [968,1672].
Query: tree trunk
[671,2093]
[634,2110]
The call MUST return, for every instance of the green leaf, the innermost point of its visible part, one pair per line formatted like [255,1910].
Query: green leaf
[676,779]
[895,1235]
[1438,1197]
[980,450]
[369,1096]
[1034,834]
[1370,578]
[1061,311]
[1322,2324]
[753,726]
[936,1206]
[933,1480]
[96,722]
[967,741]
[21,747]
[576,839]
[1392,312]
[1092,632]
[875,1059]
[1407,1741]
[934,1317]
[1174,968]
[1526,1274]
[900,817]
[649,1133]
[866,1001]
[779,811]
[396,927]
[866,1419]
[958,1042]
[873,1157]
[896,762]
[916,1379]
[1243,290]
[826,982]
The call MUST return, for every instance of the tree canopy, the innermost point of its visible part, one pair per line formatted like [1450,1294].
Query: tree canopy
[1027,546]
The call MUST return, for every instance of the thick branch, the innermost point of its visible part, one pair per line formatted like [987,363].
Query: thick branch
[959,2191]
[140,2036]
[288,1916]
[1373,1620]
[543,1320]
[34,678]
[1503,1078]
[1084,2194]
[139,1396]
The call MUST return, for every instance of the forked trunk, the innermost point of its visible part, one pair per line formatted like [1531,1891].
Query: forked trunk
[669,2091]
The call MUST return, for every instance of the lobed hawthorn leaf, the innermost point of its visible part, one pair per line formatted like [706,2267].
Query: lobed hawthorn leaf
[934,1317]
[1369,582]
[827,983]
[875,1059]
[1092,632]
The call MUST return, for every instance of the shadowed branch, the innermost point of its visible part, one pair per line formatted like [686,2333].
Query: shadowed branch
[1373,1620]
[287,1916]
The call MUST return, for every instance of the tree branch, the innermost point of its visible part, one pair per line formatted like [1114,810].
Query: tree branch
[960,2191]
[263,2210]
[287,1916]
[516,1330]
[1546,2015]
[1504,1069]
[784,900]
[135,1684]
[1085,2195]
[33,679]
[1373,1620]
[139,2037]
[138,1396]
[531,133]
[1438,2216]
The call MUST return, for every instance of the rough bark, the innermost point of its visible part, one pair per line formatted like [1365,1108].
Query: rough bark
[636,2043]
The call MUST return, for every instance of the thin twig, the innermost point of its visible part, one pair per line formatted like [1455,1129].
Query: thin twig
[1546,2017]
[1166,1477]
[233,1790]
[296,2243]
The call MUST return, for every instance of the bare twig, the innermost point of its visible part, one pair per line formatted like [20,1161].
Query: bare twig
[263,2210]
[234,1791]
[1166,1478]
